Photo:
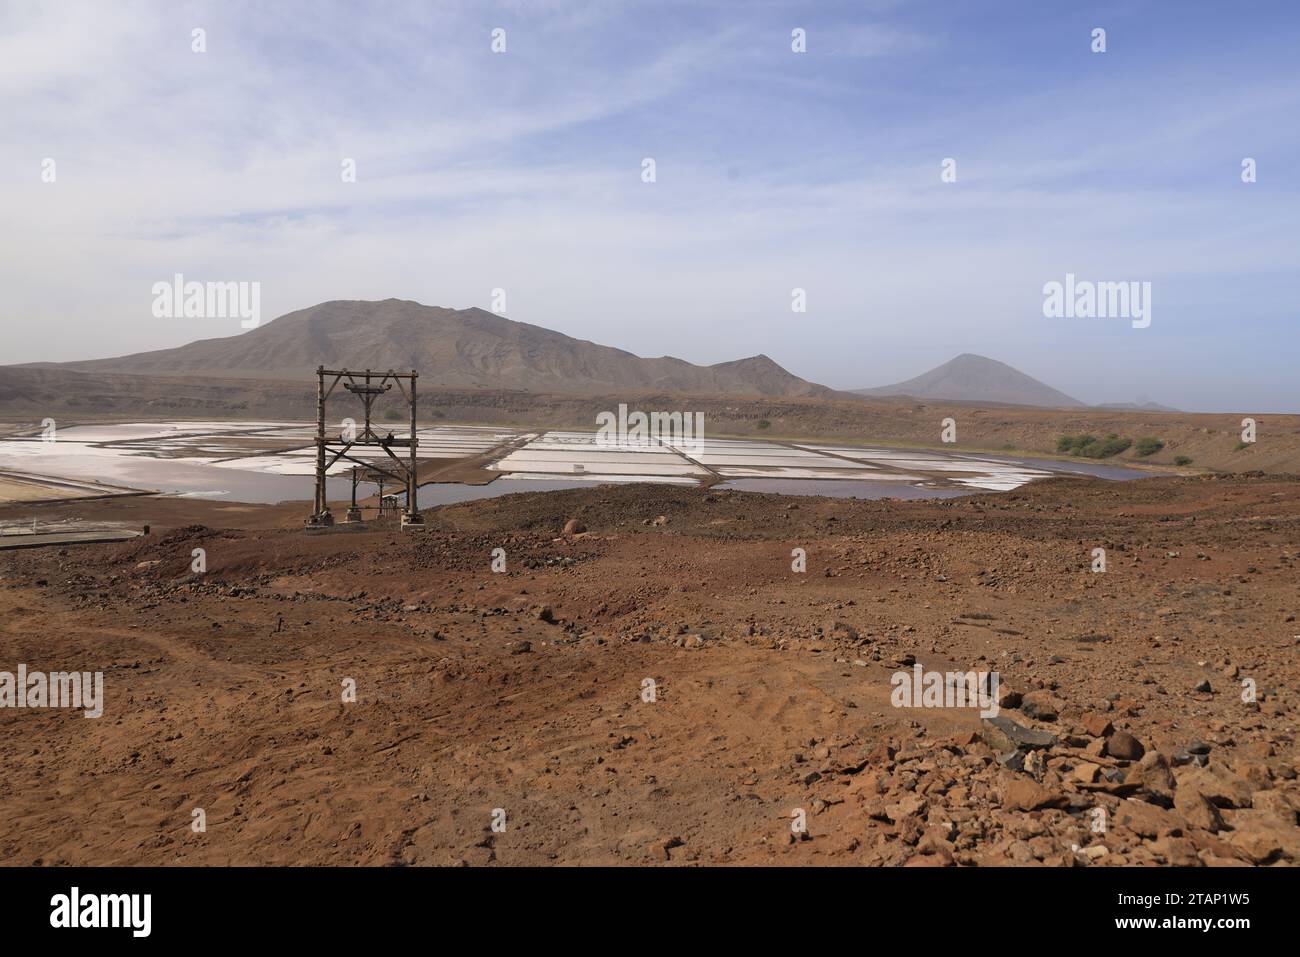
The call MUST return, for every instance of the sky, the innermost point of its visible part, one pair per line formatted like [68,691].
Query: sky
[774,170]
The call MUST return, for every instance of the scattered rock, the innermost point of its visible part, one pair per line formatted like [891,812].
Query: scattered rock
[1025,794]
[1175,850]
[1220,785]
[1124,746]
[1198,810]
[1041,706]
[912,805]
[1153,776]
[1281,805]
[1097,725]
[1008,697]
[1262,838]
[1003,734]
[1086,773]
[1012,760]
[1146,820]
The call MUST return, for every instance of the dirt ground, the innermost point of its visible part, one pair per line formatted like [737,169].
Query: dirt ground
[504,717]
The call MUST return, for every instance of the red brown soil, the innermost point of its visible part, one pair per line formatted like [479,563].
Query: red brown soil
[773,687]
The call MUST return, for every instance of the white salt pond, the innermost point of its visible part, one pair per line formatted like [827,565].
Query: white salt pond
[274,461]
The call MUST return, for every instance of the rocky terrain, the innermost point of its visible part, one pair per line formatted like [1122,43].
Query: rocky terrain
[1148,712]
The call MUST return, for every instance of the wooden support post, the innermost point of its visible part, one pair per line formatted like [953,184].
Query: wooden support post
[320,508]
[412,516]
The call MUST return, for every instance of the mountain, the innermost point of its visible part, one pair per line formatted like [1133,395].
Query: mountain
[1138,406]
[451,348]
[971,378]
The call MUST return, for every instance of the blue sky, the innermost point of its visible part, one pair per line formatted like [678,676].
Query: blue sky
[775,170]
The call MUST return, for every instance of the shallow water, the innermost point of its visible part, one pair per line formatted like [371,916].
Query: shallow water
[1115,473]
[231,461]
[444,493]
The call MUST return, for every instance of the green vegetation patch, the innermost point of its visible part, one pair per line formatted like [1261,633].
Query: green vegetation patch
[1091,447]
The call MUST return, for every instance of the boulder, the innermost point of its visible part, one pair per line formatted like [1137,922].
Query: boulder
[1217,783]
[1198,810]
[1041,706]
[1026,794]
[1153,776]
[1097,725]
[1146,820]
[1003,734]
[1263,838]
[1124,746]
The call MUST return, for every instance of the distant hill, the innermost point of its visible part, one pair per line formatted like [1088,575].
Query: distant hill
[972,378]
[1139,406]
[451,348]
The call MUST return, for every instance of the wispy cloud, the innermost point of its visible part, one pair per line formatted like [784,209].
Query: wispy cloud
[522,171]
